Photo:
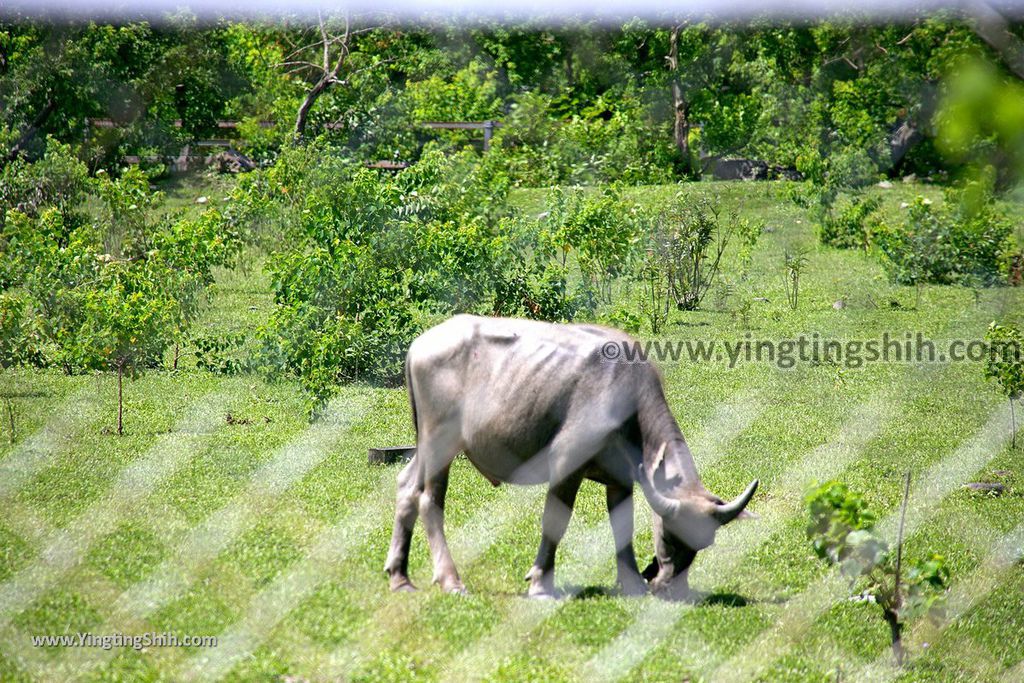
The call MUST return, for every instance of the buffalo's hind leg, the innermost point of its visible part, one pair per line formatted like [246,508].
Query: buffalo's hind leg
[438,451]
[410,486]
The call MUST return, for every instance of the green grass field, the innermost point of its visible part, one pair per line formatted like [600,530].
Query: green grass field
[271,532]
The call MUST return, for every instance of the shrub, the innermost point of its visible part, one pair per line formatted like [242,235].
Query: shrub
[19,337]
[542,291]
[57,180]
[795,262]
[600,229]
[127,207]
[369,255]
[606,140]
[963,242]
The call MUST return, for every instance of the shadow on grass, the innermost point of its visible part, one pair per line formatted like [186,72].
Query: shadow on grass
[28,393]
[724,599]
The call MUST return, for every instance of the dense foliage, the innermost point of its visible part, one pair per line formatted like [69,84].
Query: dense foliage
[961,242]
[580,102]
[96,275]
[365,259]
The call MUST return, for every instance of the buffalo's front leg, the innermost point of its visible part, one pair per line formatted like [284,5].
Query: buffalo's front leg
[669,571]
[620,513]
[557,510]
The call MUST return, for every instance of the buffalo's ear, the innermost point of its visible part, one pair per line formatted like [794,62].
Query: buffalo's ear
[656,471]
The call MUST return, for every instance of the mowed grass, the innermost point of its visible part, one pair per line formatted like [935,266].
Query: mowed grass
[271,532]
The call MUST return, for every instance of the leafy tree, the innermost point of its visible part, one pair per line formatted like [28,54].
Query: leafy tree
[333,53]
[54,75]
[841,530]
[1005,365]
[58,180]
[367,256]
[128,320]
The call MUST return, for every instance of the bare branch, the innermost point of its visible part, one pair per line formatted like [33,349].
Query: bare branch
[281,65]
[326,41]
[992,27]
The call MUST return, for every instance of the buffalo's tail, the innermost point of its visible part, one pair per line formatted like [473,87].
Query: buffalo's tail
[412,398]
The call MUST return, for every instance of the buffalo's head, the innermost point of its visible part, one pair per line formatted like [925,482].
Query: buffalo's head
[686,518]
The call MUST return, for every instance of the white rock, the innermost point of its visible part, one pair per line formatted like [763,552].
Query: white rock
[904,205]
[885,184]
[201,200]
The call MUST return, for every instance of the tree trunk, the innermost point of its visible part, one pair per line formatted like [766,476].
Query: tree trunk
[892,616]
[307,104]
[1013,426]
[9,404]
[30,132]
[896,633]
[681,125]
[120,399]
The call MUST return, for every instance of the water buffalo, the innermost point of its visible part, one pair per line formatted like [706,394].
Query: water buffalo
[539,403]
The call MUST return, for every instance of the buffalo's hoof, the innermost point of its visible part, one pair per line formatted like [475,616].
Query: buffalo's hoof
[633,589]
[542,584]
[402,585]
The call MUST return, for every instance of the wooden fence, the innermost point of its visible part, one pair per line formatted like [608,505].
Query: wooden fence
[182,161]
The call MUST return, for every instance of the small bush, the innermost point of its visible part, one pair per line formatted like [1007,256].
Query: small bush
[366,256]
[602,141]
[851,228]
[19,338]
[686,247]
[57,180]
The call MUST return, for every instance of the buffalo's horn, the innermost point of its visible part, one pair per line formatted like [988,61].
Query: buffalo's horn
[727,512]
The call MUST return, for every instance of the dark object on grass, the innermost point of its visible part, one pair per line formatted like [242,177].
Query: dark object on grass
[391,455]
[232,161]
[986,487]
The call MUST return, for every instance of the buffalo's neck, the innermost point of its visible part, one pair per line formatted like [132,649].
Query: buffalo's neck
[658,426]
